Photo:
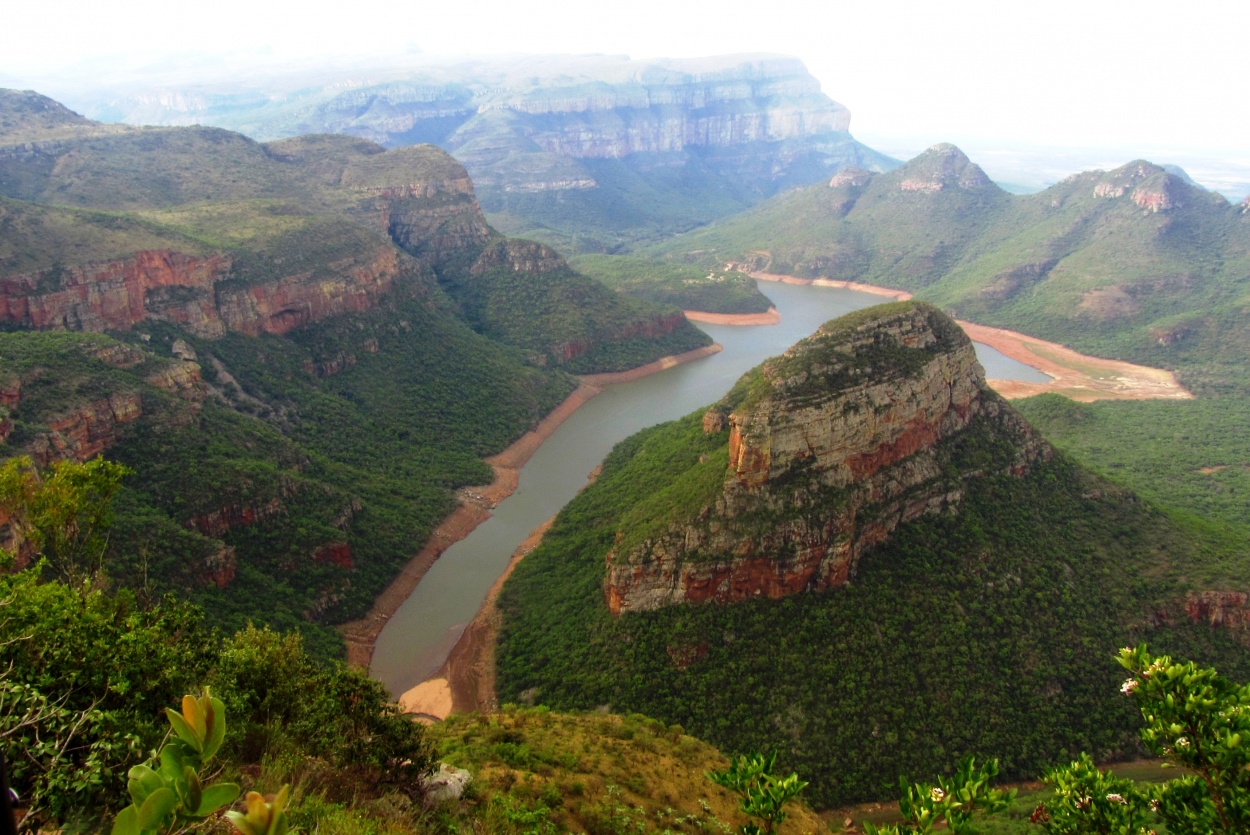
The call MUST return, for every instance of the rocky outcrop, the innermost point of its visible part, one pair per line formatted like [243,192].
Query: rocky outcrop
[940,168]
[1227,609]
[1149,186]
[852,432]
[219,522]
[86,430]
[192,291]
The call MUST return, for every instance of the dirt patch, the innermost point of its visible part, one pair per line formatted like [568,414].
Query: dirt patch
[429,698]
[772,317]
[1210,470]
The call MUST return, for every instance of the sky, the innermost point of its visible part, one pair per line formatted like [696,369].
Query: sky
[1162,80]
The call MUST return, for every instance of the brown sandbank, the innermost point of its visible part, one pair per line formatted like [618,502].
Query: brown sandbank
[1076,376]
[772,317]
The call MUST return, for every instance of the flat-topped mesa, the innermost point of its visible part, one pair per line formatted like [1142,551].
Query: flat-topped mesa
[877,419]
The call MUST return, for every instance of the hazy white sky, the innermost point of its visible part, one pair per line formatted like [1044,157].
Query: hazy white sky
[1145,74]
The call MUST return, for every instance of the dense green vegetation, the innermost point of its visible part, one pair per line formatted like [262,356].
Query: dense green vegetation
[86,673]
[368,457]
[938,648]
[669,283]
[292,485]
[1192,457]
[568,320]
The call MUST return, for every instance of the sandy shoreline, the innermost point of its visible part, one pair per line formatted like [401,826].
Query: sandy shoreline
[897,295]
[477,502]
[772,317]
[1076,376]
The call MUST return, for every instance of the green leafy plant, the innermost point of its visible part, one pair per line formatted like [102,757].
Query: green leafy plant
[1196,720]
[1088,800]
[263,817]
[173,794]
[64,512]
[952,801]
[761,793]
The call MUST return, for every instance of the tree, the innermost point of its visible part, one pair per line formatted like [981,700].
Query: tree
[1196,720]
[64,513]
[954,801]
[761,793]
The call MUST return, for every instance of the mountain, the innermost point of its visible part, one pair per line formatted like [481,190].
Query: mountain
[302,348]
[831,446]
[1137,263]
[863,559]
[590,151]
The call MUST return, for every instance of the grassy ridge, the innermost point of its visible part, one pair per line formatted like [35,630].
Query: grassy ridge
[680,285]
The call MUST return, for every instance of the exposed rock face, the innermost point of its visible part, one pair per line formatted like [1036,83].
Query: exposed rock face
[87,430]
[522,125]
[188,290]
[1149,187]
[1228,609]
[852,432]
[943,167]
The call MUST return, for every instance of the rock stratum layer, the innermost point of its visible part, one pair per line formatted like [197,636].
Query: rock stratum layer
[870,423]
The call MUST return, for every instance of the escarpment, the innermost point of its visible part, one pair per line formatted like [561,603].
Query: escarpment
[877,419]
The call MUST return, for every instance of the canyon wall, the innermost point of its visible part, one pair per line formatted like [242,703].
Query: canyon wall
[852,432]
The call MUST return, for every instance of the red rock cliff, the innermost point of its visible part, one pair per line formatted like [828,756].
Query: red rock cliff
[188,290]
[846,436]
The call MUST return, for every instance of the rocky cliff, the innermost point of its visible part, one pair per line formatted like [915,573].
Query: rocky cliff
[877,419]
[193,292]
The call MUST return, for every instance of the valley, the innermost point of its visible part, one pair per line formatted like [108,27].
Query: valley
[932,453]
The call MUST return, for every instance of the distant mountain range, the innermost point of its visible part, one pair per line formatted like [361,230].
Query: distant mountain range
[587,151]
[1137,262]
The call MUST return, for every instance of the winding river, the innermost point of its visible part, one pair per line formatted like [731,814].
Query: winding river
[419,636]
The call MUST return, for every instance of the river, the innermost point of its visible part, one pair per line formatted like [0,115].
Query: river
[419,636]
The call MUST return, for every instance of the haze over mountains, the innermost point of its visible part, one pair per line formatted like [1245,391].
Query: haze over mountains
[590,151]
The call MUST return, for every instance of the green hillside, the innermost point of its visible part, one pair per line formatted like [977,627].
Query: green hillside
[983,629]
[1134,263]
[311,346]
[684,285]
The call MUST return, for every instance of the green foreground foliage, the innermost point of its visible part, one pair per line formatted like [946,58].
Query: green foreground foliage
[761,793]
[173,795]
[86,671]
[1197,721]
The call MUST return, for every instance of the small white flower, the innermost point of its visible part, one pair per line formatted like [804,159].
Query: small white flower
[937,794]
[1128,686]
[1116,798]
[1183,742]
[1154,805]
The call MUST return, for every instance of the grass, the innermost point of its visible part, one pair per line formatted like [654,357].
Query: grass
[680,285]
